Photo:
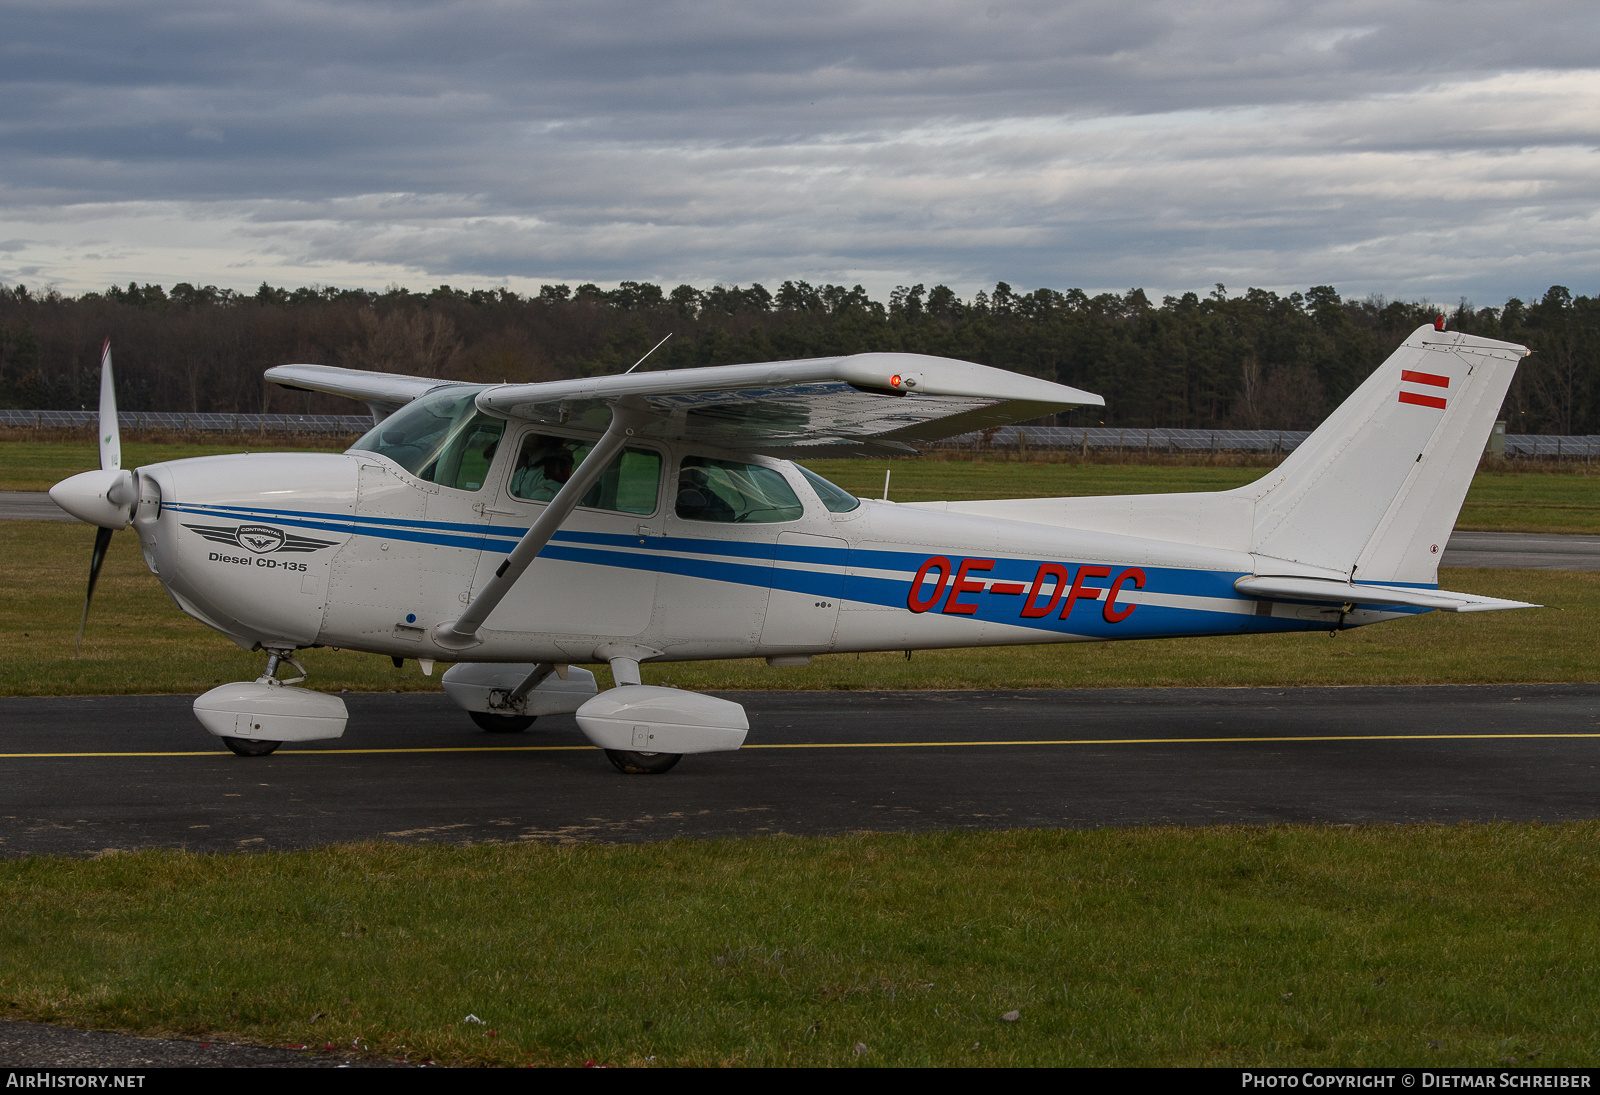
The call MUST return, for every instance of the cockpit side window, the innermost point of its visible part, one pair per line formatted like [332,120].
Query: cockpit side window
[439,438]
[729,491]
[628,485]
[464,462]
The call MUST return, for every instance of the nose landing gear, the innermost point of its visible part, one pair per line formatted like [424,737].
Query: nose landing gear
[253,718]
[260,747]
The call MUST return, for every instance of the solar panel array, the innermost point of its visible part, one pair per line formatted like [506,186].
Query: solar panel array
[1154,439]
[1532,444]
[173,420]
[1165,440]
[1054,437]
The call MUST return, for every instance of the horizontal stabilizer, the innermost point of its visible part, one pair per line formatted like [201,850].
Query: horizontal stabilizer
[1331,591]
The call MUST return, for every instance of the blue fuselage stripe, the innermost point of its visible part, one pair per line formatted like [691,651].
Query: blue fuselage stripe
[844,573]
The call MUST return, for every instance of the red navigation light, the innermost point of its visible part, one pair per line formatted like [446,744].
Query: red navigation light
[894,381]
[1438,323]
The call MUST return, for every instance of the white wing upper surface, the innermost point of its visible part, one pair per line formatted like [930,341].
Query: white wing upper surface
[384,393]
[860,404]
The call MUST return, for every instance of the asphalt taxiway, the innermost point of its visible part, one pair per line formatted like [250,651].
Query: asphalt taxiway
[30,505]
[1521,551]
[83,775]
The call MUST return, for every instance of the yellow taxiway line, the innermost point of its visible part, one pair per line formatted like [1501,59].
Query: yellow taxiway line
[848,745]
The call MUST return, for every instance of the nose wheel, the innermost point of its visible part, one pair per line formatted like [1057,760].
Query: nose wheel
[253,718]
[502,724]
[642,764]
[260,747]
[250,747]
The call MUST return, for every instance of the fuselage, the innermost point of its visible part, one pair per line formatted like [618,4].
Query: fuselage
[353,550]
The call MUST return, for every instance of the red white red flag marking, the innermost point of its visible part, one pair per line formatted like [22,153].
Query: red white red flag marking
[1410,376]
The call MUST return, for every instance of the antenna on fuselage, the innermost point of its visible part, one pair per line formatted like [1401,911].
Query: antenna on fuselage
[647,353]
[886,472]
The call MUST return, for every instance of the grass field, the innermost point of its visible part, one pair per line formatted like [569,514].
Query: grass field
[138,641]
[38,465]
[1467,945]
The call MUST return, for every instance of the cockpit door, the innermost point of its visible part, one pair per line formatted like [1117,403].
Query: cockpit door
[596,577]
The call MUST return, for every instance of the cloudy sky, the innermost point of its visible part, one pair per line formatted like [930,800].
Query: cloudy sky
[1384,146]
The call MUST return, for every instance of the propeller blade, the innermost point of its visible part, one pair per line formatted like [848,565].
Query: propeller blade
[110,435]
[102,540]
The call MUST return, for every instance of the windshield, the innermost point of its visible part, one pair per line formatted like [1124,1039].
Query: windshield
[439,438]
[835,498]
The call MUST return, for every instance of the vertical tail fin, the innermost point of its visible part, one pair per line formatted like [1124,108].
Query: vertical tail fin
[1375,491]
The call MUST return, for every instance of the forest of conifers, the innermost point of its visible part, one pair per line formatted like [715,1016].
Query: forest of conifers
[1256,360]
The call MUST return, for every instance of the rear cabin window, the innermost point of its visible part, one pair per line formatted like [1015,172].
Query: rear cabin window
[628,485]
[439,438]
[732,492]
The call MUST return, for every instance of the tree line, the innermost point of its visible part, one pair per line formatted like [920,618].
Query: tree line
[1256,360]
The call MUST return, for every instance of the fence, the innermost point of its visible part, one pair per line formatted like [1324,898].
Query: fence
[1150,440]
[1047,437]
[173,420]
[1532,444]
[1268,441]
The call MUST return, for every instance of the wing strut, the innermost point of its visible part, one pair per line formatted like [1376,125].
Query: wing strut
[463,633]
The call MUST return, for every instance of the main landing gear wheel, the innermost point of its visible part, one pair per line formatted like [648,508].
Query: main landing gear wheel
[502,724]
[642,764]
[251,747]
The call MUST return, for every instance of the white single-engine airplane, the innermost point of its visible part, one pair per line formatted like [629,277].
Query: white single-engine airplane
[516,529]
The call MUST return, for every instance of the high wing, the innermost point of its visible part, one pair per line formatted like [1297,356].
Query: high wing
[856,405]
[383,393]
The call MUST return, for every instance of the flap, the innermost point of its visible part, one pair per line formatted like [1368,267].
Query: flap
[856,405]
[1331,591]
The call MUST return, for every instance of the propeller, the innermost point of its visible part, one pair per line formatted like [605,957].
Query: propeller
[110,432]
[102,541]
[107,497]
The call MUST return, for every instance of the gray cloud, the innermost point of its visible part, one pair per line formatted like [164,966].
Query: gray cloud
[1402,147]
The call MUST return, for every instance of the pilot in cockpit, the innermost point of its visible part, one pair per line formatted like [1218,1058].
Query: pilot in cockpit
[543,467]
[697,501]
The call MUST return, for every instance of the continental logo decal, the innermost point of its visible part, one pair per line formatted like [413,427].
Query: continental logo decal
[943,585]
[260,539]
